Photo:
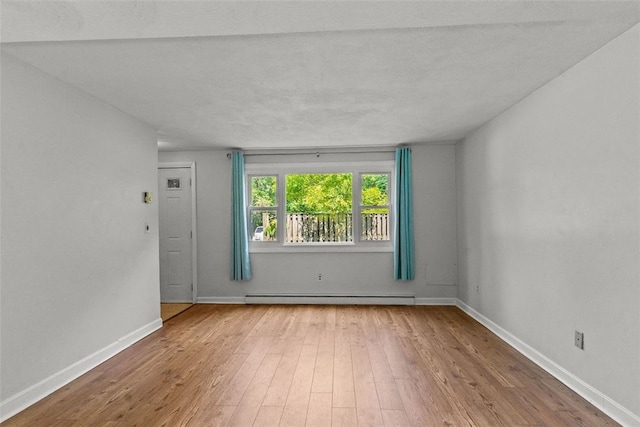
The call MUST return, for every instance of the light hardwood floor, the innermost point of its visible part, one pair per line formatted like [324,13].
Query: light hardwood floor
[169,310]
[317,366]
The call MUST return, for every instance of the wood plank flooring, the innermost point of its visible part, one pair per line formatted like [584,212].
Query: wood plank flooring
[169,310]
[217,365]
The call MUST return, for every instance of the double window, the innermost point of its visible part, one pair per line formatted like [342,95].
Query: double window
[334,206]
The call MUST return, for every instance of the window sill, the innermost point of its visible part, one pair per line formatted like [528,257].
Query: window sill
[319,248]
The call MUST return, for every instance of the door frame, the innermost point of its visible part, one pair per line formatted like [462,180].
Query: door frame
[194,237]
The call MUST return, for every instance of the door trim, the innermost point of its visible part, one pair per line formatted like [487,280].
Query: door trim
[194,230]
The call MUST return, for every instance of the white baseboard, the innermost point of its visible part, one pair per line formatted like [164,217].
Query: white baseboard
[36,392]
[436,301]
[319,299]
[220,300]
[598,399]
[331,299]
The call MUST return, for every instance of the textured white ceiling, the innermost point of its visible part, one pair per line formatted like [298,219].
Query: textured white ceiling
[309,74]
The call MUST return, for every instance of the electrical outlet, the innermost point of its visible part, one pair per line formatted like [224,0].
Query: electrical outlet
[579,340]
[320,276]
[478,288]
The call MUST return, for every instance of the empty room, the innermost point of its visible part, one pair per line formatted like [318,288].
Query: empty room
[320,213]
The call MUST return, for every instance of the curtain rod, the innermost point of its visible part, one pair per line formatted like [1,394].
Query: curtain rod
[318,153]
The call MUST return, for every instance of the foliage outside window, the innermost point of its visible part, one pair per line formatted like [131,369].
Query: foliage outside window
[320,207]
[374,224]
[263,209]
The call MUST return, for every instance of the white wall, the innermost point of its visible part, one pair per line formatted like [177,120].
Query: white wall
[549,212]
[343,273]
[78,271]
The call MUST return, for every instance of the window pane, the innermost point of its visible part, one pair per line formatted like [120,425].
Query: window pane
[319,207]
[375,189]
[263,191]
[374,221]
[263,225]
[375,224]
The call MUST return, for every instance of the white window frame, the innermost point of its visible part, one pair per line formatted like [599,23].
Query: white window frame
[357,169]
[251,208]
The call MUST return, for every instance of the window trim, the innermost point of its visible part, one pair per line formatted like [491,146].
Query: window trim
[357,169]
[251,208]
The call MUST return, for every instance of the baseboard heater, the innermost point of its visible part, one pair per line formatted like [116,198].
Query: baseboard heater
[331,299]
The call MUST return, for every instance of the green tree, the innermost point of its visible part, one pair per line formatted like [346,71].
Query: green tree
[373,197]
[379,181]
[263,191]
[319,193]
[374,192]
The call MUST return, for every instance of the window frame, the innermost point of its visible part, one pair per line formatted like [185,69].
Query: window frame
[251,209]
[364,207]
[357,169]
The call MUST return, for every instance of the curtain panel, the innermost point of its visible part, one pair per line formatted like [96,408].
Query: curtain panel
[403,245]
[240,263]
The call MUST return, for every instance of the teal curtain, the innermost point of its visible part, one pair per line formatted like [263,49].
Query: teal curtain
[403,246]
[240,264]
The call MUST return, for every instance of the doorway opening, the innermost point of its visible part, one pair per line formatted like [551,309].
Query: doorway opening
[177,237]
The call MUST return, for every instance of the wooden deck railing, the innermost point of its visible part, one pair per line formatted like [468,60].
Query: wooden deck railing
[325,227]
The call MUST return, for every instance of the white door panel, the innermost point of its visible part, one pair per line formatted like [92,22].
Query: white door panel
[174,199]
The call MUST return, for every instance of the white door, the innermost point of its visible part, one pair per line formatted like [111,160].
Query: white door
[174,204]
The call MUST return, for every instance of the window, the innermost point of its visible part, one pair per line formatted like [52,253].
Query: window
[263,208]
[374,223]
[329,207]
[319,208]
